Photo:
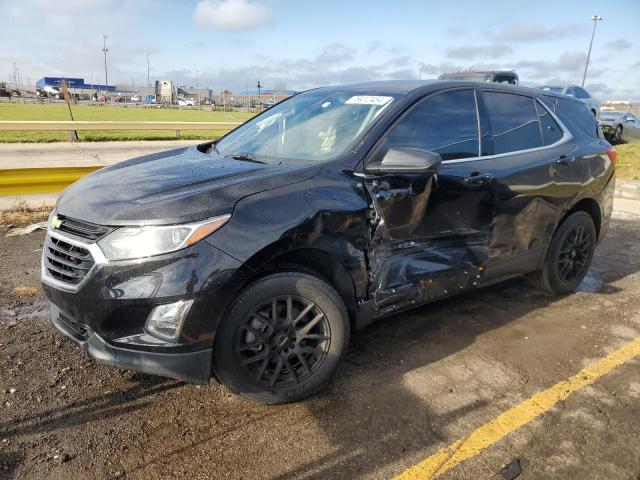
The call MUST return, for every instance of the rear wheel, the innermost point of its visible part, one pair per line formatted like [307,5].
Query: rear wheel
[282,339]
[569,255]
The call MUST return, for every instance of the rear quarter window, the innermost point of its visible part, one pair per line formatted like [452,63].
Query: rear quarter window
[576,115]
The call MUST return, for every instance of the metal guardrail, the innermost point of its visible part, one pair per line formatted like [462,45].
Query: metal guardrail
[68,125]
[29,181]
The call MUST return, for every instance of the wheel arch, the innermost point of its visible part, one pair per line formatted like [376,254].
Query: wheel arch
[587,205]
[325,264]
[590,206]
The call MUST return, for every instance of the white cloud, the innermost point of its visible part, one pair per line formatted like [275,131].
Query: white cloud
[231,14]
[522,32]
[470,52]
[617,45]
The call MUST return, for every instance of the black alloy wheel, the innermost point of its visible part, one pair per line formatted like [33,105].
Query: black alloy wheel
[574,254]
[283,341]
[569,255]
[282,338]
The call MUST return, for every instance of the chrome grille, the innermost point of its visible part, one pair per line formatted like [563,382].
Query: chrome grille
[66,262]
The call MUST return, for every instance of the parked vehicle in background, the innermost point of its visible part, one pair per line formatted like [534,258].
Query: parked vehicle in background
[577,92]
[184,102]
[620,126]
[493,76]
[255,255]
[4,92]
[135,98]
[49,92]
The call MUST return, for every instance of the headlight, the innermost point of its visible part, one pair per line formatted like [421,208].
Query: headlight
[139,242]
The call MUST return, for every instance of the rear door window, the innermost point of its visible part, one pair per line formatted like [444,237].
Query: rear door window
[551,131]
[514,121]
[446,123]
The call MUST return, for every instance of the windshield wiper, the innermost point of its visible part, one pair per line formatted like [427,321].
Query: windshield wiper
[245,156]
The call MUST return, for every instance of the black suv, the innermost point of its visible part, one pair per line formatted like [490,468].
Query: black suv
[253,257]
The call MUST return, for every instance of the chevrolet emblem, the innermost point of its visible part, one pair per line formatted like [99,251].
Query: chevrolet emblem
[56,222]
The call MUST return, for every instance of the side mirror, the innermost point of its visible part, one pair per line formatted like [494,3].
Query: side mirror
[407,160]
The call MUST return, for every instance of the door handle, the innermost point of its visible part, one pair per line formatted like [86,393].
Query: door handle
[565,160]
[479,179]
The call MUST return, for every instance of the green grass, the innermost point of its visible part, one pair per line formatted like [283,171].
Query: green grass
[14,111]
[628,166]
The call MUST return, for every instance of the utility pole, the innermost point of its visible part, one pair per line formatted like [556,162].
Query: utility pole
[596,19]
[105,50]
[148,82]
[259,100]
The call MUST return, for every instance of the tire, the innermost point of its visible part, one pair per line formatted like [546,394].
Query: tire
[617,136]
[569,256]
[304,344]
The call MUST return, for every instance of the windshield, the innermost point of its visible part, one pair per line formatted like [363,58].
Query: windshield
[312,126]
[471,77]
[506,78]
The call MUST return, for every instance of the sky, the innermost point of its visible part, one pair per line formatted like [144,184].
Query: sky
[300,44]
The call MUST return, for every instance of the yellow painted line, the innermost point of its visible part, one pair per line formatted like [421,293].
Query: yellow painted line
[29,181]
[514,418]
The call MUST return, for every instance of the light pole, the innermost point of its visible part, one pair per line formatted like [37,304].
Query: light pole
[148,82]
[596,19]
[105,50]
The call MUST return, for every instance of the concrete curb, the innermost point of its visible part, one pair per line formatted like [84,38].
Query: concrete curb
[627,189]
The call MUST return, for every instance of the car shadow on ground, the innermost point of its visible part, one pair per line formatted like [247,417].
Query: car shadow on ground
[371,416]
[112,404]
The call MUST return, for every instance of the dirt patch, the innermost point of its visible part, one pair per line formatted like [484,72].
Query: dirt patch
[22,214]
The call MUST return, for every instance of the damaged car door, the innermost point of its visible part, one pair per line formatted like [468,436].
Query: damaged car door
[432,210]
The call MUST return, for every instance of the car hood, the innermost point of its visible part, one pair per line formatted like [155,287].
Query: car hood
[175,186]
[604,118]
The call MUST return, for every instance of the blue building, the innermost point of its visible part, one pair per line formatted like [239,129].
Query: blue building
[77,83]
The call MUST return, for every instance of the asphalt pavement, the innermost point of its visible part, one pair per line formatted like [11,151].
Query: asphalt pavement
[452,390]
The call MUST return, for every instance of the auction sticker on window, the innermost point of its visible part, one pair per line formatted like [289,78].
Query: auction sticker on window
[368,100]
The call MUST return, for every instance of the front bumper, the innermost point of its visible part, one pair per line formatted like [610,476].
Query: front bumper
[193,367]
[107,312]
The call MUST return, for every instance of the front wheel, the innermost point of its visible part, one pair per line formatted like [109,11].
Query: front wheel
[617,137]
[282,339]
[569,255]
